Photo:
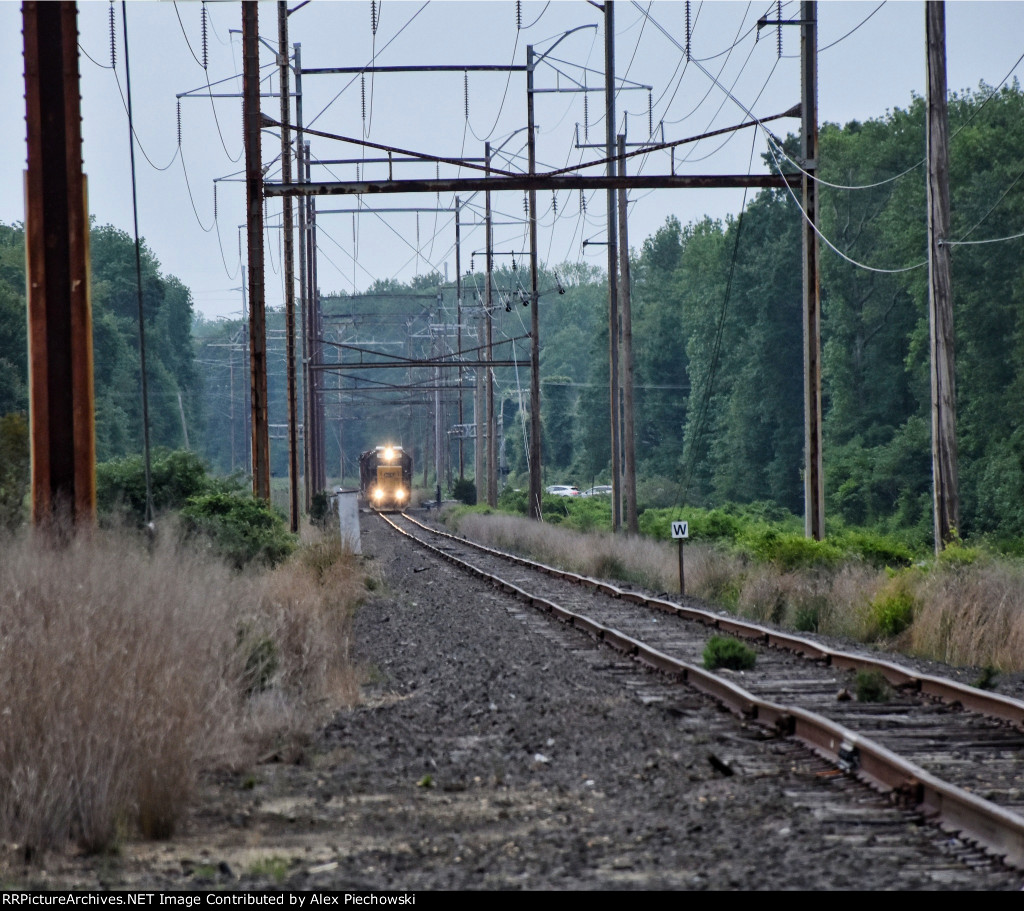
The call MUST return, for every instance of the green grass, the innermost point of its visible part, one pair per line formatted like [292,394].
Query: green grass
[273,868]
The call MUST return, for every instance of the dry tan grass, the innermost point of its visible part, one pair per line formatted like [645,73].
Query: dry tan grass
[117,678]
[122,675]
[305,609]
[972,616]
[967,615]
[643,561]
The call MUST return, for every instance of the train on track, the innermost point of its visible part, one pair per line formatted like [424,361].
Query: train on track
[385,478]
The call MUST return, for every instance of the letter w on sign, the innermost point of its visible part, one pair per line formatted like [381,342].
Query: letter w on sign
[680,529]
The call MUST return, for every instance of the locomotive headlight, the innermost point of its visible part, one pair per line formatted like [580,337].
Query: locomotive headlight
[378,494]
[399,494]
[389,454]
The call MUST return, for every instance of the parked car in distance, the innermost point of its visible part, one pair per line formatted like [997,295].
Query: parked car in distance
[563,490]
[602,490]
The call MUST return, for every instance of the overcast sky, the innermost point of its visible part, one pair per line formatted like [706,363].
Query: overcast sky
[871,60]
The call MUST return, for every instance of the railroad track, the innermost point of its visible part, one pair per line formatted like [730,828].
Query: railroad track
[951,752]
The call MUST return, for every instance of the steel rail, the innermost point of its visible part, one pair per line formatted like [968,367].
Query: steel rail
[998,830]
[950,692]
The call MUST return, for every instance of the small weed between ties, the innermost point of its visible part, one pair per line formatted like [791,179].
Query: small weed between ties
[987,678]
[722,651]
[275,868]
[871,686]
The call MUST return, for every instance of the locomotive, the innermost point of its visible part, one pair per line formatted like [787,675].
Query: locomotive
[385,478]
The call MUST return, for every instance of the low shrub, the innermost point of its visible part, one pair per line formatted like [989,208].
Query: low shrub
[986,680]
[871,686]
[875,549]
[957,556]
[892,608]
[724,651]
[789,551]
[320,509]
[241,529]
[175,477]
[464,491]
[514,500]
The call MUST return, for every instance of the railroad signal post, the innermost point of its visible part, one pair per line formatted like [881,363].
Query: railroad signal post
[681,531]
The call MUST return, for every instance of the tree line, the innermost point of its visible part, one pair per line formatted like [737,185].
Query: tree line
[717,335]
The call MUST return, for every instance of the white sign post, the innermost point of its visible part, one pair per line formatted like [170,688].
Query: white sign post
[681,530]
[348,518]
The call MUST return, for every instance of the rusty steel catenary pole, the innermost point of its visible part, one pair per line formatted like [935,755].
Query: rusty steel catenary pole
[63,436]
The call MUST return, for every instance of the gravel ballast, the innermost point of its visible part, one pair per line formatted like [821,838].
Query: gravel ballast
[494,749]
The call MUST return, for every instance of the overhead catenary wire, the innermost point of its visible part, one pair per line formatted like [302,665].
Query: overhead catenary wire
[816,177]
[832,246]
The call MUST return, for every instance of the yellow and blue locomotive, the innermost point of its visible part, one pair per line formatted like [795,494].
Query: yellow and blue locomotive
[385,478]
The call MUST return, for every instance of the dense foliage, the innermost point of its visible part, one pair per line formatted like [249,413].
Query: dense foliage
[215,512]
[174,381]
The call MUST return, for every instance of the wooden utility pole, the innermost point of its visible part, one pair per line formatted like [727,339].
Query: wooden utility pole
[318,476]
[302,150]
[940,292]
[814,486]
[63,437]
[613,264]
[626,364]
[289,267]
[535,447]
[437,348]
[302,174]
[492,424]
[458,329]
[254,235]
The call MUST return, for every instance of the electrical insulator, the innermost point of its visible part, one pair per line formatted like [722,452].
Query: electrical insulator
[519,15]
[362,89]
[373,16]
[113,42]
[586,123]
[583,203]
[687,31]
[179,123]
[203,26]
[526,203]
[554,202]
[778,28]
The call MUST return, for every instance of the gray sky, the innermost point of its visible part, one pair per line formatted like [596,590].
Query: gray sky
[871,60]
